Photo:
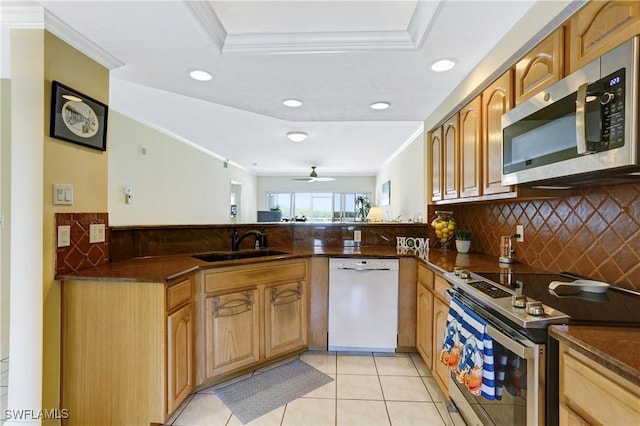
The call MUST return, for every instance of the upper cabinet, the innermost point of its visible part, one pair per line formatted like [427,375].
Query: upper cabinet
[496,100]
[541,67]
[450,160]
[434,158]
[599,27]
[471,148]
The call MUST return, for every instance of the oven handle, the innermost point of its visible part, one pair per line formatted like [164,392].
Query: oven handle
[518,349]
[581,120]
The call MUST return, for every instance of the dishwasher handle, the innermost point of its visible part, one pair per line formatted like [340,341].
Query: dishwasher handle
[359,267]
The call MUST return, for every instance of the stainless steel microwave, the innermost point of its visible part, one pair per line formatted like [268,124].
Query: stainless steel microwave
[580,131]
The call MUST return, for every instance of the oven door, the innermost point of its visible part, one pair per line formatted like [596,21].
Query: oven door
[519,367]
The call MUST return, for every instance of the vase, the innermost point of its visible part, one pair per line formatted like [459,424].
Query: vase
[444,226]
[463,246]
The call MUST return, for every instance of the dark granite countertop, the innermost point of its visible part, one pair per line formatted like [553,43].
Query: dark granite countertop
[615,348]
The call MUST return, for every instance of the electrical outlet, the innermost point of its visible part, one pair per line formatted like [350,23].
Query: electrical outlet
[520,232]
[96,233]
[357,236]
[64,236]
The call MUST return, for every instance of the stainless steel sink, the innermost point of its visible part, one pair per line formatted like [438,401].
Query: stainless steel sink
[219,256]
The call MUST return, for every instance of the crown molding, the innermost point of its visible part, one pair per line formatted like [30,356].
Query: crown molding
[63,31]
[424,17]
[22,17]
[208,22]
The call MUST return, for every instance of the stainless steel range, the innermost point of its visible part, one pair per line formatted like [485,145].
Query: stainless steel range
[518,308]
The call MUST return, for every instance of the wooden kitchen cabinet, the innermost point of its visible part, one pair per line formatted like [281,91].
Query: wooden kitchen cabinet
[285,318]
[541,67]
[599,27]
[440,312]
[432,311]
[450,161]
[496,100]
[592,394]
[253,314]
[126,350]
[232,332]
[471,149]
[434,163]
[424,317]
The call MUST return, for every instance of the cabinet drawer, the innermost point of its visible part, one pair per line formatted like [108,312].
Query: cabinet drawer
[441,286]
[178,294]
[425,276]
[596,394]
[230,278]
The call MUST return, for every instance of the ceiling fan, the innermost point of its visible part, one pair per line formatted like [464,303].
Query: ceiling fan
[313,177]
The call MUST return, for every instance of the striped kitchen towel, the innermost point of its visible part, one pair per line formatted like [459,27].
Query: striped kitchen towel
[451,346]
[476,366]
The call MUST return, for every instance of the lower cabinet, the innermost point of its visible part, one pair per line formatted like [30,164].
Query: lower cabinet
[232,332]
[253,314]
[127,352]
[592,394]
[432,312]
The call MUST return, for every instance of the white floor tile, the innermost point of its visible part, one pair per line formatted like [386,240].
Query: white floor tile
[310,411]
[356,364]
[204,409]
[322,361]
[422,368]
[434,389]
[403,388]
[395,366]
[358,412]
[359,387]
[413,413]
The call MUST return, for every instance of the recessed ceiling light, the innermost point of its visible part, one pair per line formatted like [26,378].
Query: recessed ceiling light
[200,75]
[292,103]
[443,65]
[297,136]
[380,105]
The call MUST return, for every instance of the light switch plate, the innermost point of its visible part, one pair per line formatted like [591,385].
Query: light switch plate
[62,194]
[96,233]
[64,236]
[357,236]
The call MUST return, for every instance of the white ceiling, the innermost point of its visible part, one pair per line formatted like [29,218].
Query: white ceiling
[336,56]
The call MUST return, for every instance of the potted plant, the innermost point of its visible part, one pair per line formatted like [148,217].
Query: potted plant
[363,205]
[463,240]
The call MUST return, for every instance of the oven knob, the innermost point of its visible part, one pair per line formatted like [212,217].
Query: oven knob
[465,275]
[519,300]
[535,308]
[607,97]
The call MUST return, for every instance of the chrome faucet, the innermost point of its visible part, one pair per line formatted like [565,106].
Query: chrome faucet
[261,239]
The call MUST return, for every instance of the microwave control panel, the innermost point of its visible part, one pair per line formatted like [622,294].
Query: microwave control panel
[612,110]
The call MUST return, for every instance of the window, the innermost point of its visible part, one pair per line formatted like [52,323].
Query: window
[315,206]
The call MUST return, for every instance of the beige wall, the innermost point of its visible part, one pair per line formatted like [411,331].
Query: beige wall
[173,183]
[5,191]
[64,162]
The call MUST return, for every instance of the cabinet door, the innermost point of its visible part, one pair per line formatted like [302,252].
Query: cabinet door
[450,160]
[541,67]
[232,332]
[424,326]
[440,371]
[285,309]
[496,100]
[599,27]
[470,149]
[435,164]
[179,356]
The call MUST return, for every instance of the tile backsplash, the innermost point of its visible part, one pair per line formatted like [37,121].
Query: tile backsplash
[81,254]
[594,232]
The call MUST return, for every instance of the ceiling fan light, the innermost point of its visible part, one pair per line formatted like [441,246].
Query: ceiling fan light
[297,136]
[443,65]
[200,75]
[292,103]
[380,105]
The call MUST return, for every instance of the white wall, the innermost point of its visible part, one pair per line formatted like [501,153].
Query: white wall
[406,172]
[173,184]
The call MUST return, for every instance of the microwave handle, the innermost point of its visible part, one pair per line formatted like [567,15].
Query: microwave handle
[581,120]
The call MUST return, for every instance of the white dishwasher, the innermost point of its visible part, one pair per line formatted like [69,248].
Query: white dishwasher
[363,304]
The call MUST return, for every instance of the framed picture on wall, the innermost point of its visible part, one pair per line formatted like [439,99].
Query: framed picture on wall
[78,118]
[386,194]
